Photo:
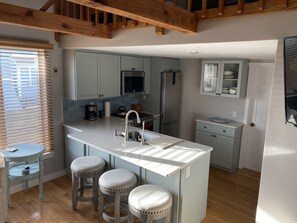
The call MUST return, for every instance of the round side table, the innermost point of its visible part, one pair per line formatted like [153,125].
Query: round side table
[25,163]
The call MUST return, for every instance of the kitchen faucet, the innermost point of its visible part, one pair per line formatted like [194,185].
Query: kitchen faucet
[126,122]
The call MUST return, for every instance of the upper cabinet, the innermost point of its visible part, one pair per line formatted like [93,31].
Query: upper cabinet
[224,78]
[132,63]
[90,75]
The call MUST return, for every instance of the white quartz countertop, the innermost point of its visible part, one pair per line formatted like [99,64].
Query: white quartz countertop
[231,124]
[165,155]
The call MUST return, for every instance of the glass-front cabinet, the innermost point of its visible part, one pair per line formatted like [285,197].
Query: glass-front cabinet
[210,77]
[224,78]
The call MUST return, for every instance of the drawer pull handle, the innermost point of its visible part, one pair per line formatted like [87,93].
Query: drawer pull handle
[204,127]
[224,130]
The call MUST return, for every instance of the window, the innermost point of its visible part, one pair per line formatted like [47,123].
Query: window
[25,97]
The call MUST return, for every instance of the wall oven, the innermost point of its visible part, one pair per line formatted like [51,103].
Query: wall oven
[132,82]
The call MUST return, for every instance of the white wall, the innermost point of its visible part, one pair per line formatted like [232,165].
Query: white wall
[55,164]
[278,188]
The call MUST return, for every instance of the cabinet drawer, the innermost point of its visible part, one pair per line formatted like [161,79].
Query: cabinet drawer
[217,129]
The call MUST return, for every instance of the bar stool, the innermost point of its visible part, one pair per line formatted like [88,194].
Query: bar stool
[149,202]
[83,168]
[116,183]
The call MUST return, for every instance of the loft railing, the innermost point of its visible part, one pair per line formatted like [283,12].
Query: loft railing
[205,10]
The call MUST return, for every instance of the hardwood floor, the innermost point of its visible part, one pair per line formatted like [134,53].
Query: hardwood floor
[231,198]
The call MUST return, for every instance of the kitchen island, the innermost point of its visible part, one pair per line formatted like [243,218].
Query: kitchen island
[182,167]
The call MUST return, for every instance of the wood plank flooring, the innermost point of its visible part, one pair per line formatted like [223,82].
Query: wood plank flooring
[231,198]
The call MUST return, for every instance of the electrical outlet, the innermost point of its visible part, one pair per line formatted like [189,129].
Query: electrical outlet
[188,170]
[234,114]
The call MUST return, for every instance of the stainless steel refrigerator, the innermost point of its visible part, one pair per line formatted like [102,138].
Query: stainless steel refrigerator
[170,103]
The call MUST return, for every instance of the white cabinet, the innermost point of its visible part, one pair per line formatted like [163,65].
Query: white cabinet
[170,64]
[90,75]
[225,140]
[131,63]
[109,81]
[224,78]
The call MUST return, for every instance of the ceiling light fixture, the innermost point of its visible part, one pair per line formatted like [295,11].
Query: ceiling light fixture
[194,52]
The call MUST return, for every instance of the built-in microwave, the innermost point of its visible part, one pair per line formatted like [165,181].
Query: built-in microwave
[132,82]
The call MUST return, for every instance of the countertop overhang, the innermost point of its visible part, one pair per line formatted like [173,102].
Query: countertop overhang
[99,134]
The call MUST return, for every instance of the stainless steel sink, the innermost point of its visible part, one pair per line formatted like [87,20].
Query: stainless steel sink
[136,136]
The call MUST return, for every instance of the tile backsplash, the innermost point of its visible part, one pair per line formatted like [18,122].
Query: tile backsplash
[75,110]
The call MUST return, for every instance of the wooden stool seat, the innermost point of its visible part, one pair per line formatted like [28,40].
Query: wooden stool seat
[83,168]
[150,202]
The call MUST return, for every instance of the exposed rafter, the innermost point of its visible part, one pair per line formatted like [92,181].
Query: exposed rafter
[12,14]
[47,4]
[153,12]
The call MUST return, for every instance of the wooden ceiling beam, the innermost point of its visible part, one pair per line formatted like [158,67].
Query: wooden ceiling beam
[261,5]
[153,12]
[17,15]
[221,7]
[47,5]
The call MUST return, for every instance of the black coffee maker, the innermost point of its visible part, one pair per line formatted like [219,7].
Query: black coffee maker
[91,112]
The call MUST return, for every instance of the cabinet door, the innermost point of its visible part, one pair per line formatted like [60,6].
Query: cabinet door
[231,78]
[105,156]
[73,149]
[147,73]
[86,75]
[109,78]
[222,151]
[131,63]
[203,138]
[210,77]
[170,64]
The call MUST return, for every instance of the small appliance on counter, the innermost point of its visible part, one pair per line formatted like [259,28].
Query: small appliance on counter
[91,112]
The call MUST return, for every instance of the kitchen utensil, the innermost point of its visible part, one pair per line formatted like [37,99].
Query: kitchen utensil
[229,76]
[122,110]
[219,119]
[228,72]
[136,107]
[225,90]
[232,90]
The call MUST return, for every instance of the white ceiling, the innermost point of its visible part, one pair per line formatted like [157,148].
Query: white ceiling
[262,50]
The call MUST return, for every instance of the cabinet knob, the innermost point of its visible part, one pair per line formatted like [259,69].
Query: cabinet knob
[224,130]
[204,127]
[252,124]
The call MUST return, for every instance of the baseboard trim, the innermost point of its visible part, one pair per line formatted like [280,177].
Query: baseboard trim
[20,186]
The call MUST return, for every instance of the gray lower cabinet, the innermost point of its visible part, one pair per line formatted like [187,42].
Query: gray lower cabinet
[73,149]
[225,140]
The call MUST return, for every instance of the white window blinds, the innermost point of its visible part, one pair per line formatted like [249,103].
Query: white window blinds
[25,98]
